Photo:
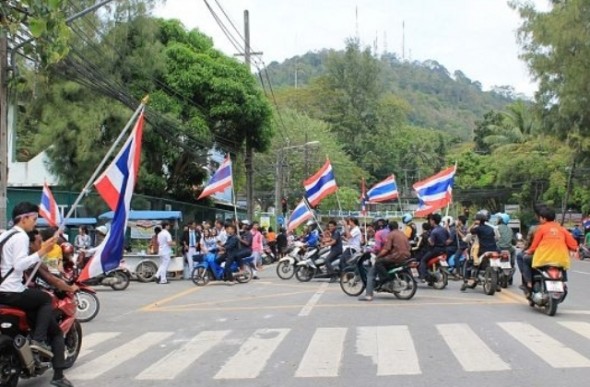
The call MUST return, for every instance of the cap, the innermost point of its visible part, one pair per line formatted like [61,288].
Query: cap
[102,229]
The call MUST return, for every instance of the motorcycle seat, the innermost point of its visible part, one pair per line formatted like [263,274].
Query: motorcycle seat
[434,260]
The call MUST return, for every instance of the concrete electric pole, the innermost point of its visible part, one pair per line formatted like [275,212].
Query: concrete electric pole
[3,127]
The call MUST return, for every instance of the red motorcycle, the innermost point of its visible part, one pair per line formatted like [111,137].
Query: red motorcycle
[17,358]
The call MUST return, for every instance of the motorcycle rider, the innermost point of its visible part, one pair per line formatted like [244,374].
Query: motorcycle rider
[550,246]
[458,241]
[409,227]
[353,237]
[15,259]
[486,237]
[312,237]
[395,251]
[335,243]
[382,230]
[438,244]
[506,240]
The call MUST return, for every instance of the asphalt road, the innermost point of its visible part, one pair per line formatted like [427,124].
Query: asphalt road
[285,333]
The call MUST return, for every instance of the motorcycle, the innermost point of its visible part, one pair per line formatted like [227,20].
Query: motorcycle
[549,289]
[483,272]
[505,269]
[402,278]
[437,275]
[583,252]
[314,265]
[18,358]
[268,257]
[206,269]
[117,279]
[287,265]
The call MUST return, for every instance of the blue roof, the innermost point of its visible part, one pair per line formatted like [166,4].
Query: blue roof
[146,215]
[70,222]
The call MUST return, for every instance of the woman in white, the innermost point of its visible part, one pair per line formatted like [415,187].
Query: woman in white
[165,244]
[82,240]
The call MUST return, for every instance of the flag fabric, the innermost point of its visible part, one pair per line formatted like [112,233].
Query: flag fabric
[363,198]
[320,185]
[383,191]
[435,192]
[110,183]
[220,181]
[300,214]
[121,176]
[48,208]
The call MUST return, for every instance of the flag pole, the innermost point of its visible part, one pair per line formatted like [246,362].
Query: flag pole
[233,193]
[98,169]
[449,205]
[312,213]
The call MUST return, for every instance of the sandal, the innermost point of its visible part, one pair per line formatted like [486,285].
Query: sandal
[366,298]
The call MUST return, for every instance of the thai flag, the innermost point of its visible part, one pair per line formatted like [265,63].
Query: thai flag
[118,179]
[320,185]
[435,192]
[363,198]
[48,208]
[300,214]
[383,191]
[220,181]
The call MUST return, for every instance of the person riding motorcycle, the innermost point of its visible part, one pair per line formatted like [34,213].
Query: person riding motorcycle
[410,228]
[335,243]
[506,239]
[395,251]
[550,246]
[313,235]
[438,239]
[381,232]
[486,239]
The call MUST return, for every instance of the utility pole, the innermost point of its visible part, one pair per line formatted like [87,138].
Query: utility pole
[306,158]
[3,126]
[249,156]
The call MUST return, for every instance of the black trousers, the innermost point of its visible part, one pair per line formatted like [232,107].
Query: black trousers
[37,305]
[331,258]
[433,252]
[382,267]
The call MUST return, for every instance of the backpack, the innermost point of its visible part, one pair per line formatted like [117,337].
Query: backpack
[12,233]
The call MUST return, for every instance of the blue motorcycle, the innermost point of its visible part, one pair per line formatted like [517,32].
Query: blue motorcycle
[207,269]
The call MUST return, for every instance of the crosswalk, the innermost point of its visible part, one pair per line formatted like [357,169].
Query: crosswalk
[392,349]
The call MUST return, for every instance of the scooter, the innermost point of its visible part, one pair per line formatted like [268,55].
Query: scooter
[206,269]
[401,278]
[314,265]
[287,265]
[483,272]
[549,289]
[437,274]
[505,269]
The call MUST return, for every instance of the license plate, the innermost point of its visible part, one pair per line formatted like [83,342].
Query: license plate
[506,265]
[415,272]
[444,264]
[554,286]
[494,262]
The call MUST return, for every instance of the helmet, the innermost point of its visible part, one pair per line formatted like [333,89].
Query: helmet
[102,229]
[505,218]
[448,220]
[407,218]
[246,222]
[482,215]
[67,248]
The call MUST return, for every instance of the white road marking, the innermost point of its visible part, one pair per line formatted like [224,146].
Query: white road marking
[390,347]
[580,272]
[323,355]
[116,357]
[177,361]
[547,348]
[253,355]
[306,310]
[581,328]
[469,349]
[94,339]
[573,311]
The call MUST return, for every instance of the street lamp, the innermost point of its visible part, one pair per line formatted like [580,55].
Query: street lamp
[279,174]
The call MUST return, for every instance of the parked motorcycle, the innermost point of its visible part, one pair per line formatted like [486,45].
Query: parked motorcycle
[287,265]
[207,269]
[549,289]
[18,359]
[402,278]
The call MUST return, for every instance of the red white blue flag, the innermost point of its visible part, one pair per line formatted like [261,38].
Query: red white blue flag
[220,181]
[383,191]
[435,192]
[48,208]
[117,184]
[300,214]
[320,185]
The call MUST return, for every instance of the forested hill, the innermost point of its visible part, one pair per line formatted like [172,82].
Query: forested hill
[437,98]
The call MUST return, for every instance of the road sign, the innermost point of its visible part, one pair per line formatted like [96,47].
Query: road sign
[280,220]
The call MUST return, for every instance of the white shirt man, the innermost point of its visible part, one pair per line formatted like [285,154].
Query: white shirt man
[165,244]
[355,238]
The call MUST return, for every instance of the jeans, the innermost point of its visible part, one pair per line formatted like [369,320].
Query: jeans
[527,270]
[163,269]
[371,280]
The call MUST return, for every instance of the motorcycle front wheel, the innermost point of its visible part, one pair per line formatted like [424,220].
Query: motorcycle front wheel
[87,306]
[285,270]
[304,273]
[351,283]
[122,280]
[73,344]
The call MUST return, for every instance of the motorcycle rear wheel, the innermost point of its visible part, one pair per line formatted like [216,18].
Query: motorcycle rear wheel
[490,281]
[442,279]
[285,270]
[88,306]
[201,276]
[10,366]
[551,307]
[411,286]
[73,344]
[122,281]
[351,283]
[246,276]
[304,273]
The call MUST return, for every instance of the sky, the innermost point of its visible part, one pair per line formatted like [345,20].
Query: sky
[477,37]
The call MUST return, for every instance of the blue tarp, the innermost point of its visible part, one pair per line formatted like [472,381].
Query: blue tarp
[146,215]
[70,222]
